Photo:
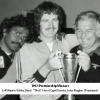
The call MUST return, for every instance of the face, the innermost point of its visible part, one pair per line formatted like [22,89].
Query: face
[87,33]
[15,38]
[48,26]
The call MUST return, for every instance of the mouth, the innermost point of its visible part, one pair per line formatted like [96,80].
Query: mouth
[52,29]
[84,44]
[17,45]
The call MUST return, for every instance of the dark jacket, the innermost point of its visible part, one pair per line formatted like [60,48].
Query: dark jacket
[6,62]
[92,75]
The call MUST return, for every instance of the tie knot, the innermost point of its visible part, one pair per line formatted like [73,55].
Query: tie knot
[11,56]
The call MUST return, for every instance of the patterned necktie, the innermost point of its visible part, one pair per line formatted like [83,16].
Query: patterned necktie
[11,56]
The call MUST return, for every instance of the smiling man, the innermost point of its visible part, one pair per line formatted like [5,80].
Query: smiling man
[39,60]
[88,33]
[14,32]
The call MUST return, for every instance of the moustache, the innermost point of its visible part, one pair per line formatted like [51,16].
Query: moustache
[17,43]
[53,28]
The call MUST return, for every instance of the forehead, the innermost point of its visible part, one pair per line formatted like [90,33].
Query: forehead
[18,28]
[22,30]
[90,22]
[47,16]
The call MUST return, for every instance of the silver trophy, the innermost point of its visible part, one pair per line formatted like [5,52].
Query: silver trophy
[70,66]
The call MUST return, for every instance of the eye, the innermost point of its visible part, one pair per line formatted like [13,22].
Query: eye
[89,31]
[56,19]
[78,31]
[44,20]
[24,38]
[17,33]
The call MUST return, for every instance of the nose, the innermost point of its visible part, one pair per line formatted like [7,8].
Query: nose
[83,35]
[51,24]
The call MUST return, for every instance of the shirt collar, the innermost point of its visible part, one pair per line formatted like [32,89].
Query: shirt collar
[97,50]
[38,40]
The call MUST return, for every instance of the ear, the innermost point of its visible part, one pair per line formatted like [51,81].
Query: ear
[74,26]
[4,32]
[98,32]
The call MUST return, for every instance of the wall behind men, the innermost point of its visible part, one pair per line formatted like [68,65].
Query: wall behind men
[71,7]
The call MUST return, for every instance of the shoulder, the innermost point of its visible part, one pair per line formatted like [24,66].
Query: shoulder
[2,52]
[30,48]
[27,47]
[72,40]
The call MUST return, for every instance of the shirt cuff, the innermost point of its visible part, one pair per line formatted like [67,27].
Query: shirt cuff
[39,77]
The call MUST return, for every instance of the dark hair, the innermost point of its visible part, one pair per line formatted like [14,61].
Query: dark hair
[46,7]
[18,20]
[87,14]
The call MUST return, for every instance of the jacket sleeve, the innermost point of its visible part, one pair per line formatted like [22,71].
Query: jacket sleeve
[26,78]
[92,75]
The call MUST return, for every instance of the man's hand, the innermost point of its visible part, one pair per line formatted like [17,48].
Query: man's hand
[55,60]
[84,60]
[53,63]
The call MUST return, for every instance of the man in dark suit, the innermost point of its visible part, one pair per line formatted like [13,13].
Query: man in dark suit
[88,33]
[14,32]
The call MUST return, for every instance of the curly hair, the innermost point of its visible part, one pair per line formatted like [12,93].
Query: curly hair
[14,21]
[46,7]
[87,14]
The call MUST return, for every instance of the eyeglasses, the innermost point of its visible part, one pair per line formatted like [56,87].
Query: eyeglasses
[19,34]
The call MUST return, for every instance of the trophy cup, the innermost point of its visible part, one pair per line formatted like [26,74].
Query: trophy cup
[70,66]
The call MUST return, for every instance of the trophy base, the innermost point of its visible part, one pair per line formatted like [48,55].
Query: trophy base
[69,97]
